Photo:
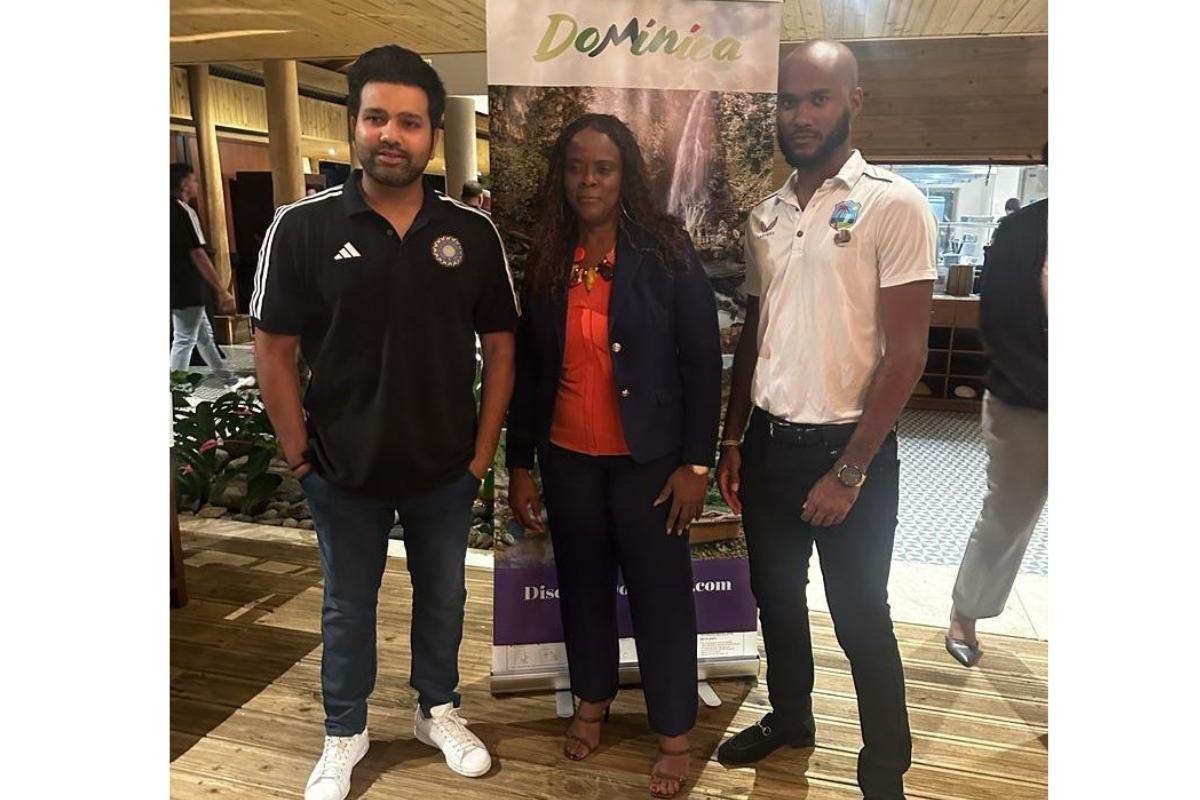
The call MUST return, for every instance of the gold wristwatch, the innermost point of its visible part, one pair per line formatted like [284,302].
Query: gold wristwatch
[851,476]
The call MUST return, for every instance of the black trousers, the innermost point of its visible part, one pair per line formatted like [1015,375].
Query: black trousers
[602,517]
[778,471]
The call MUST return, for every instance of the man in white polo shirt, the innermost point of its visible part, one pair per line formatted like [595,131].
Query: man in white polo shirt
[839,275]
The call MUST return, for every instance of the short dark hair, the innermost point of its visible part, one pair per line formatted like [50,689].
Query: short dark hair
[472,189]
[392,63]
[1012,204]
[179,171]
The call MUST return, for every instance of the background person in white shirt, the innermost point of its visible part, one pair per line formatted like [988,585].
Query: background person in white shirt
[839,275]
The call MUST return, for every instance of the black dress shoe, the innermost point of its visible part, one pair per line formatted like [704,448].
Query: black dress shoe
[760,740]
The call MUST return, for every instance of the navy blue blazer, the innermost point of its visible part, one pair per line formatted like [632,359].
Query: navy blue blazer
[667,367]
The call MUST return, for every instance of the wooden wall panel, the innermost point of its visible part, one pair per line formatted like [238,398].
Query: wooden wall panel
[244,106]
[323,120]
[950,100]
[240,105]
[181,107]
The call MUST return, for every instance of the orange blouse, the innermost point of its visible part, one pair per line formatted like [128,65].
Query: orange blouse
[587,417]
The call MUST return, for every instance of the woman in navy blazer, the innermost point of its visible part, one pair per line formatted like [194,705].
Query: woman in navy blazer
[618,398]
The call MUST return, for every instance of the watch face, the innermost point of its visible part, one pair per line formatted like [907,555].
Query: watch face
[850,476]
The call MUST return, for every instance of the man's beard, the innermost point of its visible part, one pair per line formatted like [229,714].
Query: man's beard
[835,139]
[398,176]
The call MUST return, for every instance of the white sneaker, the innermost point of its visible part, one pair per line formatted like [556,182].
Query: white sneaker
[448,732]
[330,779]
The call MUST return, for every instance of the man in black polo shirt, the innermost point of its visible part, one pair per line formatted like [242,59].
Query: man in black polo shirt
[383,284]
[191,269]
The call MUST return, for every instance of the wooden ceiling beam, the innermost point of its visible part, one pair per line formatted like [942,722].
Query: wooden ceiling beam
[310,76]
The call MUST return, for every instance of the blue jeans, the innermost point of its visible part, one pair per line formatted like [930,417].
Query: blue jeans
[352,532]
[190,329]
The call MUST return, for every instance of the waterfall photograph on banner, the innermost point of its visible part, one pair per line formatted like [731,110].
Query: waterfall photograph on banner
[708,155]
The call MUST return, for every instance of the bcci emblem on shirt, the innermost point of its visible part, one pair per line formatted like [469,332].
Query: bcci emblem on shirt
[448,251]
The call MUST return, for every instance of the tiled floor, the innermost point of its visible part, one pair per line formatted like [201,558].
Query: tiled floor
[942,483]
[239,358]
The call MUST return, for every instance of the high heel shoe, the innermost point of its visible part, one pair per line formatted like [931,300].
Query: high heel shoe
[571,737]
[966,654]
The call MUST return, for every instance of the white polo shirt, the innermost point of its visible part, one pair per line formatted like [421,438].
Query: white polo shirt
[819,337]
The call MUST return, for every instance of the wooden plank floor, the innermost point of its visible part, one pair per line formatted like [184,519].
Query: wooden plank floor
[246,717]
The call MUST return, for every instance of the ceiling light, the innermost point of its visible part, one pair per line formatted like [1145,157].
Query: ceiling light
[214,35]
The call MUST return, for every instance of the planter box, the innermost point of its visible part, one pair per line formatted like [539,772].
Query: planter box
[716,529]
[232,329]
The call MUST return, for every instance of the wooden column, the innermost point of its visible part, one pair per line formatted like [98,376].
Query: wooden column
[209,171]
[459,144]
[283,130]
[179,596]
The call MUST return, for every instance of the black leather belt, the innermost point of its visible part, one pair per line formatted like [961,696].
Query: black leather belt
[801,434]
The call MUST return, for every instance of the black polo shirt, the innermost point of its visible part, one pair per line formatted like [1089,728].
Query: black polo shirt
[388,328]
[187,286]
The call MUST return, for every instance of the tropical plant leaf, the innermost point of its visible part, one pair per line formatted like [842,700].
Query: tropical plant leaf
[259,490]
[190,489]
[258,462]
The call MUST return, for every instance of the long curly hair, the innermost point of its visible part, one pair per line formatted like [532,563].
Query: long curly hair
[557,230]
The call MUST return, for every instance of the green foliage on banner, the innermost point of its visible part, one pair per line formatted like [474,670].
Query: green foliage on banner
[523,131]
[747,121]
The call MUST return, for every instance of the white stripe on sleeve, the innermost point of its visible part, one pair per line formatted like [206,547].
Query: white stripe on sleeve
[264,253]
